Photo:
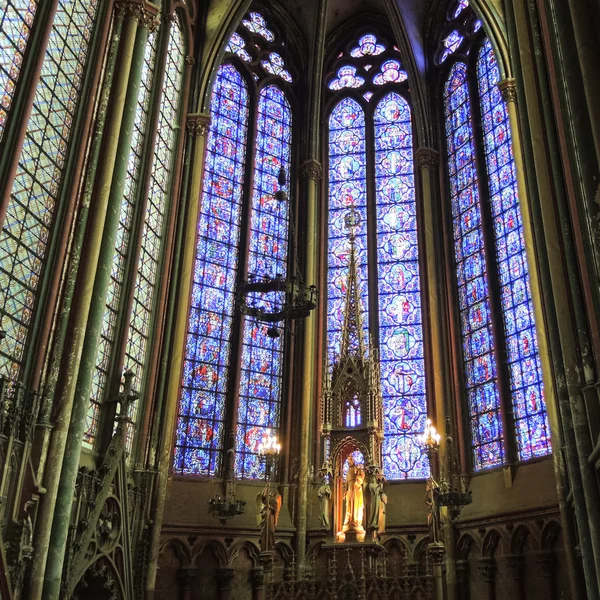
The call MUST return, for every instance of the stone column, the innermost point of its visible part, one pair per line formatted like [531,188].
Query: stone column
[52,520]
[257,578]
[311,174]
[462,579]
[197,129]
[225,576]
[436,554]
[487,567]
[187,576]
[546,563]
[537,283]
[516,568]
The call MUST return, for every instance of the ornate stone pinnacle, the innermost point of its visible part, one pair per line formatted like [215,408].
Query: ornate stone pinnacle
[427,157]
[508,89]
[197,124]
[311,170]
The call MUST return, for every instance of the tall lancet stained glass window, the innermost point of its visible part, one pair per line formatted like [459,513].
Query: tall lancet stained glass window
[494,253]
[371,169]
[227,379]
[30,214]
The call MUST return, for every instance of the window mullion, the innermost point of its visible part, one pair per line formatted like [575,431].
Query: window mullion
[373,278]
[237,328]
[487,228]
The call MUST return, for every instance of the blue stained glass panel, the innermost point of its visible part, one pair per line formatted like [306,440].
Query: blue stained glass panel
[261,380]
[400,315]
[531,419]
[30,212]
[16,20]
[257,24]
[199,436]
[368,45]
[347,189]
[109,318]
[478,342]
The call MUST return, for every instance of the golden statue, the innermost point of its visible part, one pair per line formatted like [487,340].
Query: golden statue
[434,518]
[354,498]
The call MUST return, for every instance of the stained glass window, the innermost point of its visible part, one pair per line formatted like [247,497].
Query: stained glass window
[154,221]
[531,420]
[461,5]
[400,315]
[451,44]
[262,356]
[472,277]
[257,24]
[211,351]
[276,66]
[346,78]
[109,319]
[199,437]
[395,246]
[347,190]
[359,461]
[16,20]
[31,208]
[367,46]
[391,72]
[237,45]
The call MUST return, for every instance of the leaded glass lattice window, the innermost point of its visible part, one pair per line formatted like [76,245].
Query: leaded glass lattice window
[30,215]
[490,255]
[238,203]
[16,21]
[371,148]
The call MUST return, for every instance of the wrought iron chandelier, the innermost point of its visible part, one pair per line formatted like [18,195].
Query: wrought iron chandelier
[278,299]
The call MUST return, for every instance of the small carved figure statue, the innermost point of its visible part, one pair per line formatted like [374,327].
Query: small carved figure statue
[268,505]
[374,499]
[324,495]
[434,519]
[383,496]
[354,497]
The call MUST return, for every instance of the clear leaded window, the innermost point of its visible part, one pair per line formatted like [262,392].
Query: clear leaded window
[371,170]
[492,279]
[238,203]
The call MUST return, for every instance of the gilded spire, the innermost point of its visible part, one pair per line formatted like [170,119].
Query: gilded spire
[353,336]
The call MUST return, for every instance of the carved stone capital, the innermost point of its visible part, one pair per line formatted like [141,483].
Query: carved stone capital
[516,565]
[197,124]
[190,60]
[225,576]
[187,575]
[508,89]
[311,170]
[427,157]
[130,9]
[436,552]
[150,19]
[487,567]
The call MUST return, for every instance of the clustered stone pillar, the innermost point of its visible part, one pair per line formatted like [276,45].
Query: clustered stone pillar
[487,567]
[516,568]
[257,579]
[462,579]
[197,129]
[187,576]
[53,520]
[225,576]
[546,563]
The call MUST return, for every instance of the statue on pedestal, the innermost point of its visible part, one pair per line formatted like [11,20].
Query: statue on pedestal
[434,519]
[324,495]
[354,497]
[268,505]
[376,501]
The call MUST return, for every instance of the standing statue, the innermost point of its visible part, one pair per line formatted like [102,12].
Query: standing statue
[268,505]
[354,497]
[434,519]
[382,506]
[324,495]
[373,499]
